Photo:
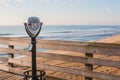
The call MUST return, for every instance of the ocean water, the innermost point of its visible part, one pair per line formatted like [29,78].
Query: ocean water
[79,33]
[63,32]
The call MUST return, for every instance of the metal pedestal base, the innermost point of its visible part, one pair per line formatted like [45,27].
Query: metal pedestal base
[40,75]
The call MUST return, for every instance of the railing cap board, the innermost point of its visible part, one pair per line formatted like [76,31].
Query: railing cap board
[72,43]
[83,47]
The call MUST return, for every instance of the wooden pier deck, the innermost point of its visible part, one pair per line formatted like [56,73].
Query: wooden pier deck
[62,60]
[9,76]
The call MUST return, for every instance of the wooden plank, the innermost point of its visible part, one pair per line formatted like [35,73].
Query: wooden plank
[3,59]
[20,62]
[14,51]
[53,78]
[14,42]
[84,47]
[94,61]
[70,70]
[4,66]
[63,45]
[15,77]
[9,76]
[65,57]
[113,51]
[17,70]
[9,41]
[20,71]
[4,76]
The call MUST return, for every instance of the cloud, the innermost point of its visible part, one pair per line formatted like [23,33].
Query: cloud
[60,0]
[9,1]
[107,10]
[19,0]
[4,1]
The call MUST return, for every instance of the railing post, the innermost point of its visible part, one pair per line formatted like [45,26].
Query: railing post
[10,55]
[88,67]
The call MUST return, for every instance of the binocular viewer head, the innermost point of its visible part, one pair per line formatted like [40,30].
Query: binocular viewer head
[33,26]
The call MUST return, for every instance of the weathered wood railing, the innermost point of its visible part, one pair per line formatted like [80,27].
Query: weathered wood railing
[87,48]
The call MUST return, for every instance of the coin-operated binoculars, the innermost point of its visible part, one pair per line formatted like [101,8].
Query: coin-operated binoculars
[33,28]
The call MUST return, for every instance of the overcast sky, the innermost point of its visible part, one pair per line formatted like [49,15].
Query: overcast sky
[61,12]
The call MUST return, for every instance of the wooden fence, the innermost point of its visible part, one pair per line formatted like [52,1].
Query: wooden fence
[87,48]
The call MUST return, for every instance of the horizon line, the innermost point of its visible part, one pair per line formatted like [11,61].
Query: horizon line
[71,25]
